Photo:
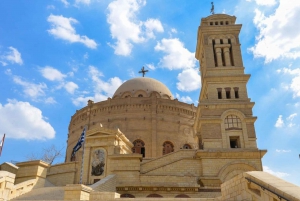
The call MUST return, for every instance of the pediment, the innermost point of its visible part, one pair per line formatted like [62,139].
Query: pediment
[102,132]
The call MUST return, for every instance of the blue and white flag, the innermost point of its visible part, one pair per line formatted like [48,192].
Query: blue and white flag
[79,143]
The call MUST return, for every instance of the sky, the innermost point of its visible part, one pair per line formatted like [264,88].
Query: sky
[57,54]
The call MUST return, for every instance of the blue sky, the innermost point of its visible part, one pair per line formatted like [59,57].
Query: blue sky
[57,54]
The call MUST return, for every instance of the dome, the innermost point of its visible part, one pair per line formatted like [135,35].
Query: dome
[142,87]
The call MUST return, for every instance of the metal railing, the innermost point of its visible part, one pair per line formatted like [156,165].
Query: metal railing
[266,188]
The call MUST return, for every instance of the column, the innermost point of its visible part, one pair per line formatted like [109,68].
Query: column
[219,56]
[227,56]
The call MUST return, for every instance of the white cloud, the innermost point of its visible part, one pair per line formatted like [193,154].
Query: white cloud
[150,66]
[264,2]
[31,89]
[153,25]
[277,174]
[288,121]
[282,150]
[71,87]
[173,30]
[189,80]
[185,99]
[52,74]
[65,2]
[109,87]
[20,120]
[86,2]
[295,81]
[291,117]
[126,28]
[177,56]
[50,7]
[3,63]
[12,56]
[86,56]
[50,100]
[278,37]
[62,28]
[279,123]
[102,89]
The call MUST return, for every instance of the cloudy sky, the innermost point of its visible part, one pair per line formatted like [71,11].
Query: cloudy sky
[57,54]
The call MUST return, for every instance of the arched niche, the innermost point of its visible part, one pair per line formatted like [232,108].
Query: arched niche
[98,162]
[139,147]
[168,147]
[140,93]
[154,196]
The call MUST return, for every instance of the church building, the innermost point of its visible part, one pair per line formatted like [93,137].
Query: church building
[143,143]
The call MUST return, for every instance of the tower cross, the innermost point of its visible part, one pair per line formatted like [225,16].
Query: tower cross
[143,71]
[212,10]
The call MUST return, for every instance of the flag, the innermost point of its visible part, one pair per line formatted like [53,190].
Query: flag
[79,143]
[1,144]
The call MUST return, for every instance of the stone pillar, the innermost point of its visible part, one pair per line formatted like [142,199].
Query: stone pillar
[227,56]
[219,56]
[32,170]
[77,192]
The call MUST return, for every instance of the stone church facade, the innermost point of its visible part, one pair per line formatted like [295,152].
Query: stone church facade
[142,143]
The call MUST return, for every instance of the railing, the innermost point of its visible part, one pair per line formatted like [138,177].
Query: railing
[266,188]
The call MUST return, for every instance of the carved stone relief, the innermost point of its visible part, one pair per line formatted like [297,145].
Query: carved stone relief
[98,162]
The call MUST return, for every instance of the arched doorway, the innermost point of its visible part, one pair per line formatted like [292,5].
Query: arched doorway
[154,196]
[168,147]
[139,147]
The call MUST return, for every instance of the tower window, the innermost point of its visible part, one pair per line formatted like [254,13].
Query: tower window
[234,142]
[221,22]
[219,93]
[216,23]
[233,122]
[211,23]
[236,92]
[215,56]
[227,23]
[227,93]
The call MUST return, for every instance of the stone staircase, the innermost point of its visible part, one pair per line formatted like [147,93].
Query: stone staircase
[46,193]
[167,159]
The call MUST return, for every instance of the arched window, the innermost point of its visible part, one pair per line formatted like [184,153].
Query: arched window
[139,147]
[168,147]
[140,95]
[187,146]
[154,196]
[233,122]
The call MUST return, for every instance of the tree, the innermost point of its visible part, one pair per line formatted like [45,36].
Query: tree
[48,154]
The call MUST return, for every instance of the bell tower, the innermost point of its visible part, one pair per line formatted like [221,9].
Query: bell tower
[224,117]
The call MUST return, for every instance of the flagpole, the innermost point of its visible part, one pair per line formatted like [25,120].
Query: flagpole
[80,182]
[2,143]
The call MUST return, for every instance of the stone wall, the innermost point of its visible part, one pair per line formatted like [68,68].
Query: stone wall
[63,174]
[258,186]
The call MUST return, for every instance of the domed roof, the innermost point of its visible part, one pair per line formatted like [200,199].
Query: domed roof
[145,85]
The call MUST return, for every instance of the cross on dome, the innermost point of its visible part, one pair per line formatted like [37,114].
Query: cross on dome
[143,71]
